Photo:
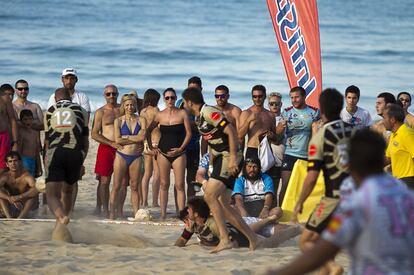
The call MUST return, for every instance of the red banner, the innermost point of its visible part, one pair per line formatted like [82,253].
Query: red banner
[297,31]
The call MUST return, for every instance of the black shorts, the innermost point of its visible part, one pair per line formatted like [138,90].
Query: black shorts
[193,159]
[289,161]
[64,164]
[220,169]
[252,153]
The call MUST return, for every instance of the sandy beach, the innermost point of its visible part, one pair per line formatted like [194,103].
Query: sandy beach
[26,246]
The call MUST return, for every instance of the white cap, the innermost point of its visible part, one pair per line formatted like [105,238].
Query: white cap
[69,71]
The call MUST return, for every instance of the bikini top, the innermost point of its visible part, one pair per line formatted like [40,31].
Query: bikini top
[126,131]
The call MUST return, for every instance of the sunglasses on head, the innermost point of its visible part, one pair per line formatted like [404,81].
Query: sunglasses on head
[257,96]
[220,96]
[111,94]
[251,160]
[274,103]
[170,97]
[22,88]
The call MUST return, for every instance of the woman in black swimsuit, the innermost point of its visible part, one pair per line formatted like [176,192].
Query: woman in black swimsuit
[175,128]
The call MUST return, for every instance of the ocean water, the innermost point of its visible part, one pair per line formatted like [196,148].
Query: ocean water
[159,44]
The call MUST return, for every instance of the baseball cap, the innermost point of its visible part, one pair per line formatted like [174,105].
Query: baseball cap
[69,71]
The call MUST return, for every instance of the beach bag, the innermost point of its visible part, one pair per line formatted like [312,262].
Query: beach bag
[267,159]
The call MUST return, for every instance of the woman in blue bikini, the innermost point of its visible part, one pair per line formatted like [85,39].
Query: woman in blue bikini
[130,133]
[175,129]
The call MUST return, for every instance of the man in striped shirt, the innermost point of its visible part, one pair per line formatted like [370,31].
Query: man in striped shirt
[66,135]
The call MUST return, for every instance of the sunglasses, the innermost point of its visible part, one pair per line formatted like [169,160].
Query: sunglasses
[111,94]
[170,97]
[251,160]
[223,96]
[257,96]
[274,103]
[22,88]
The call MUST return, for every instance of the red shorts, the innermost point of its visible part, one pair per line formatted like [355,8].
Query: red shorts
[4,148]
[105,160]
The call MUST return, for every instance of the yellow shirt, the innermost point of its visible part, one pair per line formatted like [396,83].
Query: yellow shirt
[401,151]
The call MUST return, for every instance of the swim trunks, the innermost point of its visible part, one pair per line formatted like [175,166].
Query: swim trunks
[4,148]
[29,164]
[105,160]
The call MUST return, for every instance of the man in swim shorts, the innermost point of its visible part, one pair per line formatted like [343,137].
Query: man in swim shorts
[256,122]
[18,191]
[103,133]
[66,136]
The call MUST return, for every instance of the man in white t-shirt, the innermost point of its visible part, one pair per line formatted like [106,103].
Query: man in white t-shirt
[69,80]
[353,114]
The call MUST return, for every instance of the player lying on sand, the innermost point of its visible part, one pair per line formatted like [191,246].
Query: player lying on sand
[197,219]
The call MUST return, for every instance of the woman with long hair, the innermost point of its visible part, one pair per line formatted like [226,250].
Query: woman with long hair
[175,129]
[149,111]
[130,131]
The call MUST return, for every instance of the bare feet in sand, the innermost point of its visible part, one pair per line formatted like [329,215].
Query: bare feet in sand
[64,220]
[222,246]
[256,243]
[61,233]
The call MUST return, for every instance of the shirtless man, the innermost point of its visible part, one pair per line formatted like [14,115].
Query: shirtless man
[103,133]
[231,111]
[7,122]
[17,189]
[405,99]
[21,103]
[378,126]
[256,122]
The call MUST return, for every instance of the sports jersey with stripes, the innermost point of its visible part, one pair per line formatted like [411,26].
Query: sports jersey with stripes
[66,124]
[328,150]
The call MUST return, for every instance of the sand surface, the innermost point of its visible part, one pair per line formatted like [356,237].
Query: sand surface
[26,246]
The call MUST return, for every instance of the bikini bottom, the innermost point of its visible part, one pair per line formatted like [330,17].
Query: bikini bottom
[128,158]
